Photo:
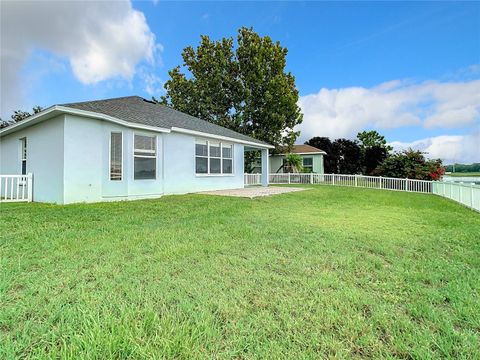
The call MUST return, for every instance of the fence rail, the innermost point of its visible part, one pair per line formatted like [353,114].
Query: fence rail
[372,182]
[14,188]
[466,194]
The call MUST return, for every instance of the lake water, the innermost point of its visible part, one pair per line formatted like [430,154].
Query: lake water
[464,179]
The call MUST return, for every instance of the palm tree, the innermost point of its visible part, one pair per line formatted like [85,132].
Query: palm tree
[292,163]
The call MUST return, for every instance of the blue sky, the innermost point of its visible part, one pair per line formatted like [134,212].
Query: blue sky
[409,70]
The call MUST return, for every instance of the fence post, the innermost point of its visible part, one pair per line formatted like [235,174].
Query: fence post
[406,184]
[30,187]
[381,183]
[311,178]
[289,178]
[356,182]
[333,179]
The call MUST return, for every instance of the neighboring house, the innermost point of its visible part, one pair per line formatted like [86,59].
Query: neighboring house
[123,148]
[311,156]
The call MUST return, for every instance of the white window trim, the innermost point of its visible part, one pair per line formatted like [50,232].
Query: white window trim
[145,156]
[110,156]
[208,174]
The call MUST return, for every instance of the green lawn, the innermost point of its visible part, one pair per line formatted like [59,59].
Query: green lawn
[328,272]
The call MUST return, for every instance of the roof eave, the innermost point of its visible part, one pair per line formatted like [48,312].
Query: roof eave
[31,120]
[59,110]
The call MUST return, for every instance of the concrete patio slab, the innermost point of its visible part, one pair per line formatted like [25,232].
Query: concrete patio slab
[252,192]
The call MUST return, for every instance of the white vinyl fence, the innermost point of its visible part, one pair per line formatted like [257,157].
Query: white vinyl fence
[16,188]
[373,182]
[466,194]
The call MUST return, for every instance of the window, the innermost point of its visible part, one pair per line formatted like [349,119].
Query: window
[227,160]
[213,158]
[308,164]
[144,157]
[201,157]
[116,156]
[23,142]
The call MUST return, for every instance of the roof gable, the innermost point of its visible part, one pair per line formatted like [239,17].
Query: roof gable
[305,149]
[137,110]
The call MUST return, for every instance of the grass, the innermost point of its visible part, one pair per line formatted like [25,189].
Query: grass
[328,272]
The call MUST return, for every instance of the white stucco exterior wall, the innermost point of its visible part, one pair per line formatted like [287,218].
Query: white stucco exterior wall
[87,154]
[69,157]
[87,163]
[44,158]
[180,177]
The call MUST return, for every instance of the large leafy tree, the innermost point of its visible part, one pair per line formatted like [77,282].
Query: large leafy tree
[244,87]
[330,161]
[343,156]
[349,156]
[373,157]
[372,138]
[374,150]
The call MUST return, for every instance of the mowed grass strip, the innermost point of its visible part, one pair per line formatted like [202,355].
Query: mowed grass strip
[327,272]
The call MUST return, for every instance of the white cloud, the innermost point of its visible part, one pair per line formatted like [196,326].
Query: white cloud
[153,85]
[343,112]
[449,148]
[101,40]
[453,118]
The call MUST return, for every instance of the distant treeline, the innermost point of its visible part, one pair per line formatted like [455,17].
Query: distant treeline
[464,168]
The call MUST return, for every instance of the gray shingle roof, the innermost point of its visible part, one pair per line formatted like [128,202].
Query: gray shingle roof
[137,110]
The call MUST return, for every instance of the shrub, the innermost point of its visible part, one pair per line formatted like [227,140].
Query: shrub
[411,164]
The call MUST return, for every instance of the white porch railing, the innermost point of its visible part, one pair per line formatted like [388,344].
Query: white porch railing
[253,179]
[16,188]
[466,194]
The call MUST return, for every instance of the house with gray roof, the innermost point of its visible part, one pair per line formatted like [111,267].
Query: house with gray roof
[124,148]
[312,160]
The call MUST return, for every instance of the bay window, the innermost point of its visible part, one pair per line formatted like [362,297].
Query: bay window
[213,157]
[144,157]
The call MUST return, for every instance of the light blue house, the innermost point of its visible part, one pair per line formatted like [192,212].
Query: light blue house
[124,148]
[312,159]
